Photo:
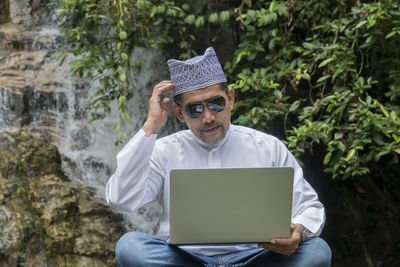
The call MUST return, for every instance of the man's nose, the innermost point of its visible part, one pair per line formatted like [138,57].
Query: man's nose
[207,116]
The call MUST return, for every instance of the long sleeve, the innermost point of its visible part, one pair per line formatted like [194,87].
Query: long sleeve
[137,180]
[144,165]
[306,208]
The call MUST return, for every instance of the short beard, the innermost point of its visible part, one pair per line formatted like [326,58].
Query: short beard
[217,140]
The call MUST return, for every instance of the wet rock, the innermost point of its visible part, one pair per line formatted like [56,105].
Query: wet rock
[4,12]
[28,12]
[46,219]
[21,155]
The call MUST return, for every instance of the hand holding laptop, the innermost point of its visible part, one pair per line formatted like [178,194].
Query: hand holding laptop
[286,246]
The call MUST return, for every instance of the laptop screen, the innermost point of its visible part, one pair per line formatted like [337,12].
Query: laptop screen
[230,205]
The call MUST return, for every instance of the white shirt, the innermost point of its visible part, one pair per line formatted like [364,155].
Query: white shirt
[144,164]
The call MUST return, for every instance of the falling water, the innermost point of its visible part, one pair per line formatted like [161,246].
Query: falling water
[41,97]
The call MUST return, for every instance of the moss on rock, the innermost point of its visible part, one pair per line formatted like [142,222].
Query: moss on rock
[22,154]
[47,220]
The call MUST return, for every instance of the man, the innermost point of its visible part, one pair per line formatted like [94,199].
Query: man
[204,103]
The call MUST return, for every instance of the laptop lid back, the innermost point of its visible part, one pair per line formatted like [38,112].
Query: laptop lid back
[239,205]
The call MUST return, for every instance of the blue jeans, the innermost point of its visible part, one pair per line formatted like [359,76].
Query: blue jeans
[140,249]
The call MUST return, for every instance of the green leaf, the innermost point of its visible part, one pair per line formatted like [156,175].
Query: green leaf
[122,98]
[294,106]
[123,35]
[213,18]
[264,20]
[247,2]
[258,47]
[116,127]
[122,77]
[360,24]
[125,116]
[251,15]
[242,120]
[323,78]
[350,154]
[384,110]
[122,135]
[190,19]
[278,94]
[369,39]
[199,22]
[327,158]
[124,56]
[338,135]
[224,16]
[393,116]
[272,6]
[305,76]
[341,146]
[308,46]
[380,154]
[119,69]
[325,62]
[391,34]
[161,9]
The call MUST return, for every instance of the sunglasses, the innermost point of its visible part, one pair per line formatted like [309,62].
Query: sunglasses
[195,109]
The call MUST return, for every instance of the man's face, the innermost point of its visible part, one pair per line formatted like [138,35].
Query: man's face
[210,126]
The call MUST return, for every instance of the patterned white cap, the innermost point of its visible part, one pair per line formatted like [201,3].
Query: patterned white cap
[195,73]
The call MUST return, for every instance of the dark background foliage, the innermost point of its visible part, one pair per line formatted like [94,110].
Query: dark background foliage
[324,76]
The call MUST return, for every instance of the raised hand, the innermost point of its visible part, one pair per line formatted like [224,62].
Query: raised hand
[158,108]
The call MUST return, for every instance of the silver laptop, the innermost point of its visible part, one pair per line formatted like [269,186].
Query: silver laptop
[239,205]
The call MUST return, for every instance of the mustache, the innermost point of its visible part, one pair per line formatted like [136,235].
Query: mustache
[211,125]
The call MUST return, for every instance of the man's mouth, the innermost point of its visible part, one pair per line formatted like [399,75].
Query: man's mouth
[210,128]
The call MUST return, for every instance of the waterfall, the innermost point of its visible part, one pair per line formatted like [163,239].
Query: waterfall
[40,97]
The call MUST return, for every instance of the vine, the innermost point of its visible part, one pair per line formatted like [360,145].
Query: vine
[319,73]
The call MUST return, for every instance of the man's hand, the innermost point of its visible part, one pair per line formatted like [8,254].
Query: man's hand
[158,109]
[286,246]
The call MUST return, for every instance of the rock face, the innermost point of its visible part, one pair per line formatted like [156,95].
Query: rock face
[46,219]
[33,87]
[41,97]
[4,11]
[27,12]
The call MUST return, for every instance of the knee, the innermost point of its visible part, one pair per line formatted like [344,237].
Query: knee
[322,252]
[128,250]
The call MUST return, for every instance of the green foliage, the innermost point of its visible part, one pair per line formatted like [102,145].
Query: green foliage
[327,71]
[336,66]
[39,230]
[103,34]
[21,257]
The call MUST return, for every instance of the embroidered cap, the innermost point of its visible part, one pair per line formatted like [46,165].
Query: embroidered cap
[197,72]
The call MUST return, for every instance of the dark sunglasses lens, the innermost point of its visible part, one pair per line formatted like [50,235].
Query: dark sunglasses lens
[194,109]
[216,104]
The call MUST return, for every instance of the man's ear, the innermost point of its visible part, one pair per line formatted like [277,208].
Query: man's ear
[231,97]
[178,112]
